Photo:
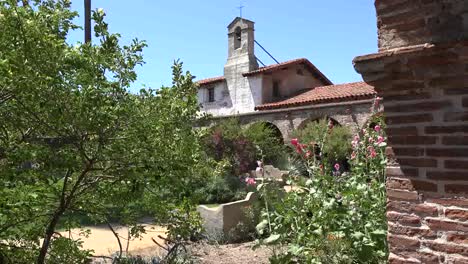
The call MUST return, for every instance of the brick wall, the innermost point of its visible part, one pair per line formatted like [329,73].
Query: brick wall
[421,71]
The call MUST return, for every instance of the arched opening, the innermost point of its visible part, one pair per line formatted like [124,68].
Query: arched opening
[272,128]
[304,123]
[237,37]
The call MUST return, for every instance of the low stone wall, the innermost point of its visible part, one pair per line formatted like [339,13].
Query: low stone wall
[223,218]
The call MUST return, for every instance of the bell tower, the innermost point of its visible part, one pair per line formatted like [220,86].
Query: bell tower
[241,59]
[241,43]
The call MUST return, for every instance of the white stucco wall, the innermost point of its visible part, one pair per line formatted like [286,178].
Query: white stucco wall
[222,104]
[290,83]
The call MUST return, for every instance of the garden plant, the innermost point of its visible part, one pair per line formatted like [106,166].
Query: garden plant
[332,216]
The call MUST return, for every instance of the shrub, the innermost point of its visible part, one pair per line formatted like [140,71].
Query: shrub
[335,216]
[240,145]
[333,140]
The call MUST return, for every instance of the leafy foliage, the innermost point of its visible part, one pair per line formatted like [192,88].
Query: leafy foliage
[240,145]
[336,142]
[74,141]
[333,217]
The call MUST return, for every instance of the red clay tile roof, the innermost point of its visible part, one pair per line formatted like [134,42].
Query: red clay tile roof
[274,67]
[211,80]
[325,94]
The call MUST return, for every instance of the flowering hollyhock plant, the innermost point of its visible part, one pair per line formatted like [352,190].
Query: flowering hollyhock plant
[250,181]
[337,166]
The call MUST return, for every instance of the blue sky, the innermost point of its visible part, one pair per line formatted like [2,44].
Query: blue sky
[329,33]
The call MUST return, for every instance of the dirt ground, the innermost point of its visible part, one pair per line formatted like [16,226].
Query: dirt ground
[104,243]
[230,253]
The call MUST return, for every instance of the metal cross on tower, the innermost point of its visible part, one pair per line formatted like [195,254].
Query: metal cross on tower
[240,9]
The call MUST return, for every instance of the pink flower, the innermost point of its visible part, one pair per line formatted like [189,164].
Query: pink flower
[250,181]
[377,128]
[308,154]
[372,153]
[371,140]
[294,141]
[337,166]
[353,155]
[355,142]
[380,139]
[376,102]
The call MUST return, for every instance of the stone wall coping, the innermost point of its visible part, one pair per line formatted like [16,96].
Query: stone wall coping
[409,49]
[247,198]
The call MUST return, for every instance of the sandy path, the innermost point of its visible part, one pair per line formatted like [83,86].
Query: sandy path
[104,243]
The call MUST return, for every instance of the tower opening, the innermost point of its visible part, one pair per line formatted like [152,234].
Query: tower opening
[237,38]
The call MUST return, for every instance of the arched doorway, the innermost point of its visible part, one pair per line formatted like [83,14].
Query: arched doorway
[304,123]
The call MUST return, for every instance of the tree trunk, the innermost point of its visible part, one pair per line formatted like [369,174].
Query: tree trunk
[48,235]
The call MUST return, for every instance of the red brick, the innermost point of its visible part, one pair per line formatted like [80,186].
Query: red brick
[399,206]
[398,85]
[461,238]
[403,241]
[409,16]
[402,195]
[411,140]
[425,209]
[452,201]
[450,248]
[456,164]
[465,101]
[455,140]
[401,172]
[456,188]
[444,225]
[455,91]
[431,258]
[404,219]
[405,131]
[413,95]
[457,214]
[434,59]
[418,162]
[458,260]
[394,259]
[402,184]
[421,185]
[447,152]
[409,119]
[413,152]
[446,129]
[447,175]
[447,82]
[411,231]
[418,107]
[455,116]
[411,184]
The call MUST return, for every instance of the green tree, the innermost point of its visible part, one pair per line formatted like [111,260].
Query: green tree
[74,141]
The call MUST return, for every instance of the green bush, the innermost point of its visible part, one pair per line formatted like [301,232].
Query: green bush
[241,145]
[335,143]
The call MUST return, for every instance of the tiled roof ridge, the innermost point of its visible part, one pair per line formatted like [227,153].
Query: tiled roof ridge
[270,68]
[211,80]
[273,67]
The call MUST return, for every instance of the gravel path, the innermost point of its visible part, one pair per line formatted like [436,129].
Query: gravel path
[230,253]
